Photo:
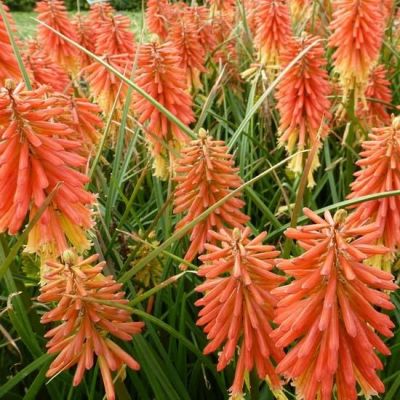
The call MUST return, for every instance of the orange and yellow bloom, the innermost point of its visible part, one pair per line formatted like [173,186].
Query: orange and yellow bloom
[89,310]
[327,313]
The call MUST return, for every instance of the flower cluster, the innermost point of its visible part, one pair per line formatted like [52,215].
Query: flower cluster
[37,154]
[205,175]
[89,308]
[329,309]
[237,305]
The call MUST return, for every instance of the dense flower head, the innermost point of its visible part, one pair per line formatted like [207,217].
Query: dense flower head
[273,30]
[184,34]
[160,74]
[36,154]
[104,86]
[199,17]
[157,17]
[379,172]
[84,118]
[114,37]
[54,14]
[377,96]
[9,68]
[238,305]
[329,310]
[88,310]
[205,174]
[357,34]
[43,70]
[98,14]
[85,37]
[303,100]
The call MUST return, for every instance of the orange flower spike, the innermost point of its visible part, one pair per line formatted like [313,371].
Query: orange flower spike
[357,35]
[185,36]
[159,73]
[104,85]
[54,14]
[199,16]
[273,30]
[328,310]
[85,36]
[206,174]
[8,63]
[36,153]
[380,172]
[303,100]
[238,304]
[43,70]
[89,310]
[113,37]
[377,91]
[99,13]
[157,17]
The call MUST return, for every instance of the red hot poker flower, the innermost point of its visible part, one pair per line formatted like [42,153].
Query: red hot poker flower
[8,63]
[36,153]
[238,305]
[380,172]
[303,100]
[89,310]
[157,17]
[184,34]
[273,30]
[104,85]
[206,174]
[86,38]
[159,73]
[328,310]
[54,14]
[377,91]
[357,34]
[114,37]
[43,70]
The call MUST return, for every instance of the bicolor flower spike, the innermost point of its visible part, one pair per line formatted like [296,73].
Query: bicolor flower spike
[54,14]
[328,312]
[89,309]
[273,30]
[205,174]
[303,101]
[36,154]
[104,86]
[380,172]
[159,73]
[237,304]
[357,35]
[378,96]
[184,35]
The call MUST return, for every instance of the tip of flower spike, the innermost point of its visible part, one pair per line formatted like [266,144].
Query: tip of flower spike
[10,84]
[236,234]
[202,133]
[340,216]
[396,123]
[69,256]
